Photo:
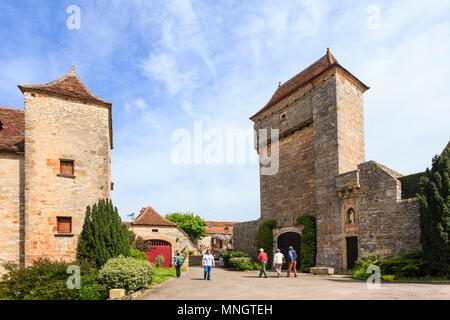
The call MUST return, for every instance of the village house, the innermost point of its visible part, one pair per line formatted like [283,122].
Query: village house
[55,159]
[163,236]
[219,236]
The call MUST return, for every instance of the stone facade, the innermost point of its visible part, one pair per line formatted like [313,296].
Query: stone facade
[63,121]
[320,117]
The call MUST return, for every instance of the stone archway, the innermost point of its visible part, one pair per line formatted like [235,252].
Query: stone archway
[285,237]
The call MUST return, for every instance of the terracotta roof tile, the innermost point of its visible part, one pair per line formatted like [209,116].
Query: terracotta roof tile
[218,227]
[70,86]
[308,74]
[150,217]
[12,129]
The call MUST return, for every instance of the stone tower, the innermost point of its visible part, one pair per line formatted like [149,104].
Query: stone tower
[320,117]
[67,163]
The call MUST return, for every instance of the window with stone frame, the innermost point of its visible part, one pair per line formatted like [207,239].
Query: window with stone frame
[64,224]
[66,167]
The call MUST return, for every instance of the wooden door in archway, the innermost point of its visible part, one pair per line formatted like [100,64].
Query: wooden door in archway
[160,247]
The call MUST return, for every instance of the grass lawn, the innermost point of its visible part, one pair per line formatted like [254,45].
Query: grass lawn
[163,274]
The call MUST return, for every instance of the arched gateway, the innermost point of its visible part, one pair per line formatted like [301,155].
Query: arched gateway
[289,239]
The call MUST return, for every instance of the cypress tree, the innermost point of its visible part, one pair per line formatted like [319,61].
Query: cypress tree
[434,201]
[103,235]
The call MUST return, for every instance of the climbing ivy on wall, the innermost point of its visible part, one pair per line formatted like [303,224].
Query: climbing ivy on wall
[410,184]
[264,238]
[308,246]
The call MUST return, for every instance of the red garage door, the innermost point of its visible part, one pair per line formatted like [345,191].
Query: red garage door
[160,247]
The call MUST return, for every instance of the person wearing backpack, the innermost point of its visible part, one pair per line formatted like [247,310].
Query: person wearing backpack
[178,263]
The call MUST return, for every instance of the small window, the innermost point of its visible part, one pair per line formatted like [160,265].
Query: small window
[66,167]
[64,225]
[154,230]
[210,227]
[226,229]
[1,125]
[283,116]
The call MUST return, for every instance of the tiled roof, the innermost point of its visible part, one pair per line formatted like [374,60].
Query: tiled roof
[150,217]
[308,74]
[70,86]
[218,227]
[11,129]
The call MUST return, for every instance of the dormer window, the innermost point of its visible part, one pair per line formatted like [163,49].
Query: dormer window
[226,229]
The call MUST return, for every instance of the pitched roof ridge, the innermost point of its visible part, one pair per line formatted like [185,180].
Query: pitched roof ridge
[59,80]
[12,109]
[149,213]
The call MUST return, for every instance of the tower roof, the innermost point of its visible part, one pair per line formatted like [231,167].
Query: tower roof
[70,86]
[150,217]
[12,124]
[301,79]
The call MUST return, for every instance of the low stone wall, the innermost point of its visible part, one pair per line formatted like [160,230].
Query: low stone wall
[195,261]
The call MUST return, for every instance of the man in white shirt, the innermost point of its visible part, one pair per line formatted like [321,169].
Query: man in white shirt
[208,264]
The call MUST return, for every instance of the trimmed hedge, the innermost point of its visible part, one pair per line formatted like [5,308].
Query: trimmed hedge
[308,246]
[265,238]
[410,185]
[126,273]
[233,254]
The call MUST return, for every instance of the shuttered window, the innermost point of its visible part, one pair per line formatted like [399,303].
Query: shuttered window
[66,167]
[64,225]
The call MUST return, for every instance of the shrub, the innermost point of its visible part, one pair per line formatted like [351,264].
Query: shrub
[308,247]
[368,259]
[388,277]
[233,254]
[159,260]
[47,280]
[191,252]
[243,263]
[126,273]
[103,235]
[434,202]
[360,274]
[138,254]
[265,238]
[407,265]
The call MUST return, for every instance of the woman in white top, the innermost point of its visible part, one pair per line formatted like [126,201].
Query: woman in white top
[278,259]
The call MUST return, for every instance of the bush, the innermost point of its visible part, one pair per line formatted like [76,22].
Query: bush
[368,259]
[126,273]
[138,254]
[191,252]
[360,274]
[388,277]
[308,247]
[47,280]
[407,265]
[265,238]
[242,263]
[159,260]
[233,254]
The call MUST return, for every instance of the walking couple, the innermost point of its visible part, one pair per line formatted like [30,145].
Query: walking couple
[278,261]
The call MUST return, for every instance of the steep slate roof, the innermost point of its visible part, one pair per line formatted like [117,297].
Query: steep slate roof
[305,76]
[12,133]
[149,217]
[218,227]
[70,86]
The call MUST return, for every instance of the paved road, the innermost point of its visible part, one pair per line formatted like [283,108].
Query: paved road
[229,285]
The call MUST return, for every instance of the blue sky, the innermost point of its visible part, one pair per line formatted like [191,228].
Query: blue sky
[165,64]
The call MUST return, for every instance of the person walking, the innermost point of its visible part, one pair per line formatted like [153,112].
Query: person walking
[262,259]
[278,260]
[208,263]
[292,261]
[178,263]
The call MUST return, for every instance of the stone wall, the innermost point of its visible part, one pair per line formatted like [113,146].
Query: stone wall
[11,209]
[60,128]
[244,237]
[177,238]
[384,222]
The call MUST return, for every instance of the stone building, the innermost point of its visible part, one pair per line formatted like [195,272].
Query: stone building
[164,236]
[219,236]
[55,159]
[322,173]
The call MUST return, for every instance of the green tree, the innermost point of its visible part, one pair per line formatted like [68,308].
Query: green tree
[103,235]
[192,225]
[434,201]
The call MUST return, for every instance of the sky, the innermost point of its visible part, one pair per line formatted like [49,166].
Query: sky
[169,67]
